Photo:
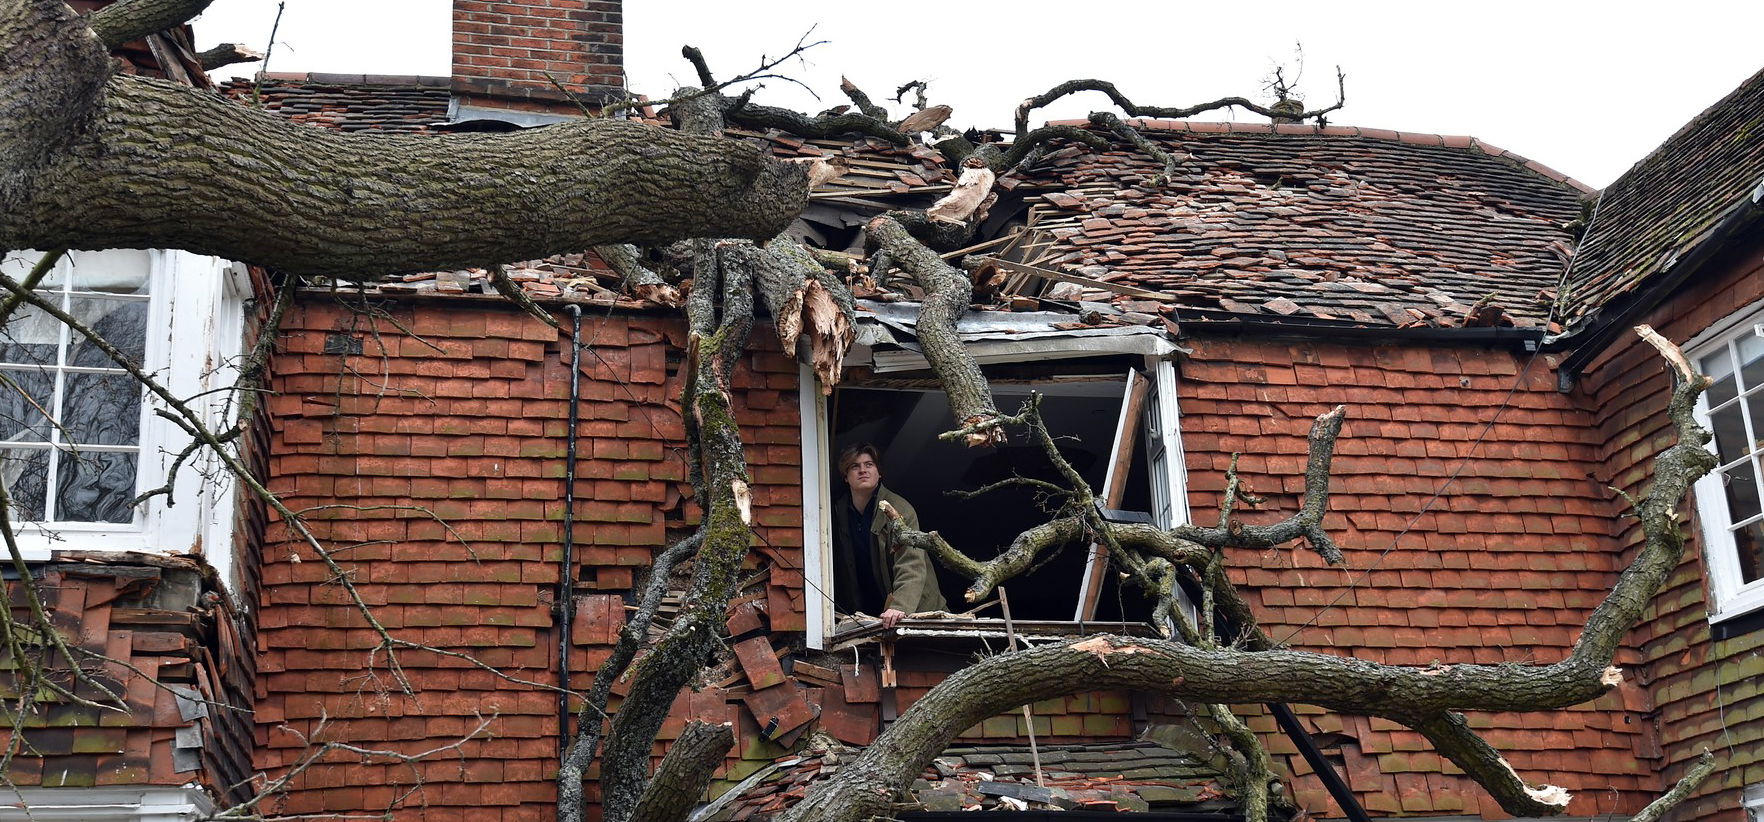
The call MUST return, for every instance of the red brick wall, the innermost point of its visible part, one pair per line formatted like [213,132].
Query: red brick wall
[505,48]
[1503,567]
[1707,694]
[462,409]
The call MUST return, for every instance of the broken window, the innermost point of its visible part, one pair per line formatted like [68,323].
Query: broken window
[1114,428]
[77,441]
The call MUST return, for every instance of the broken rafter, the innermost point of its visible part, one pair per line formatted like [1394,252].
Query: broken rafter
[1089,282]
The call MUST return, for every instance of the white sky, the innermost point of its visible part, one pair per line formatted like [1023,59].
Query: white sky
[1586,88]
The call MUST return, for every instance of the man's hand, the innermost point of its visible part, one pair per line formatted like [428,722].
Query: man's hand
[892,616]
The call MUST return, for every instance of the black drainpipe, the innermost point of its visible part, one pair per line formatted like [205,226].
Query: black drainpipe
[565,607]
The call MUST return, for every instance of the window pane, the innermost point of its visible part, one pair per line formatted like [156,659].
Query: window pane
[30,337]
[25,403]
[117,271]
[95,487]
[102,409]
[1742,490]
[1730,434]
[1749,542]
[25,472]
[123,323]
[1751,356]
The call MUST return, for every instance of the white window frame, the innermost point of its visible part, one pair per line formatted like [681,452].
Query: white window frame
[1752,800]
[1729,596]
[107,804]
[194,335]
[1169,486]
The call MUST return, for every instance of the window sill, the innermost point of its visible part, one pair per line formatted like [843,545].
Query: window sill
[851,632]
[1736,620]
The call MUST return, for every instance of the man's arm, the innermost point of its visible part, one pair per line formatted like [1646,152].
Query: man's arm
[912,572]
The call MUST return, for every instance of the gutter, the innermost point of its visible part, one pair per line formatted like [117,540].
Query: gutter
[1609,324]
[565,606]
[1525,339]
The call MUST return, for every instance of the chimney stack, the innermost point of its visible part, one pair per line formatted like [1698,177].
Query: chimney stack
[504,50]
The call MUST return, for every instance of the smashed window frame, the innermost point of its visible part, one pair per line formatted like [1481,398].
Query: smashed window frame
[885,344]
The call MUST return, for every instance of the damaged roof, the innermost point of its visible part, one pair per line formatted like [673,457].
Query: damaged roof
[1311,224]
[350,102]
[1300,226]
[1117,776]
[1672,200]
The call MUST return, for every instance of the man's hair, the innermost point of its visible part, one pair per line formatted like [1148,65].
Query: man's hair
[849,456]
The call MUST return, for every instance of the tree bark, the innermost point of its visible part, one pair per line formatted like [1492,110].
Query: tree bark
[681,653]
[226,54]
[684,772]
[803,298]
[166,166]
[126,20]
[52,73]
[947,294]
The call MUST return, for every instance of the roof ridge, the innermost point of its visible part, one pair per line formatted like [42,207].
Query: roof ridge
[1409,137]
[1693,124]
[329,78]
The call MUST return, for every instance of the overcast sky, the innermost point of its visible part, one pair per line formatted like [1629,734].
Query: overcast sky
[1586,88]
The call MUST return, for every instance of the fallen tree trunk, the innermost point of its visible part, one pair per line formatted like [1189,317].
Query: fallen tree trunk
[89,160]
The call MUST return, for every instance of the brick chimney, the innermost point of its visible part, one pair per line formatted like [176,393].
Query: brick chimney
[503,51]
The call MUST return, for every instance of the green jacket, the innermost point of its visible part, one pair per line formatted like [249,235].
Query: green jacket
[909,577]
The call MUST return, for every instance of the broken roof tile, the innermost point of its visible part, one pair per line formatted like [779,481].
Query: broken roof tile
[1261,213]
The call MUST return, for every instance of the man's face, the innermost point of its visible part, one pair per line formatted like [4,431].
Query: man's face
[863,476]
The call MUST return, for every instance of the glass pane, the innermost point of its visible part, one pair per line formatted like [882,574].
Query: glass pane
[119,271]
[1751,357]
[25,403]
[1749,542]
[1742,491]
[25,472]
[123,323]
[1730,434]
[102,409]
[95,487]
[30,337]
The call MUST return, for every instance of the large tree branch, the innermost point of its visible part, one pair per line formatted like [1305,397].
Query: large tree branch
[1424,698]
[1674,471]
[227,54]
[684,772]
[803,298]
[126,20]
[1132,109]
[947,294]
[1307,523]
[761,118]
[166,166]
[722,480]
[52,74]
[1001,683]
[1452,737]
[1680,790]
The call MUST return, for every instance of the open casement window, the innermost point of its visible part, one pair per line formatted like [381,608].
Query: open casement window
[1730,500]
[1117,428]
[1149,425]
[78,439]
